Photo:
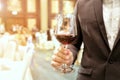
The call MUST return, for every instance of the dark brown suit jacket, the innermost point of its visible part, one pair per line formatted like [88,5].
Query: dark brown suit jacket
[98,61]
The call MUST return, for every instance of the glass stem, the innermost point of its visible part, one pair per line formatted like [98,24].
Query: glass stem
[65,46]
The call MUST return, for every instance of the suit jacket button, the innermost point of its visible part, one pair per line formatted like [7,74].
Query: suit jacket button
[110,61]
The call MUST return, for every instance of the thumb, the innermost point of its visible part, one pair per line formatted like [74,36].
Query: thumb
[67,52]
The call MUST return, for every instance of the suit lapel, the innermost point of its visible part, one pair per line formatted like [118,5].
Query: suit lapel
[99,15]
[118,37]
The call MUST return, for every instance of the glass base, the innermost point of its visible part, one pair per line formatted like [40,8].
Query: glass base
[66,69]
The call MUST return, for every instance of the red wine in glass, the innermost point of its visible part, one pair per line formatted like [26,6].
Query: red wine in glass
[65,38]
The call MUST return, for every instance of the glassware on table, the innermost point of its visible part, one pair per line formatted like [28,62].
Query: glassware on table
[65,33]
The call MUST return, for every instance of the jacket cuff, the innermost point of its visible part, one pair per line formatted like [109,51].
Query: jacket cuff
[75,51]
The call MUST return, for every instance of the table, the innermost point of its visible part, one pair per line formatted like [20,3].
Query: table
[42,69]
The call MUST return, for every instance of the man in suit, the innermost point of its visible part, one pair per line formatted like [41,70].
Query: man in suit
[98,23]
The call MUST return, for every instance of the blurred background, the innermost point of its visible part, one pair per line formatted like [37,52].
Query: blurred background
[27,39]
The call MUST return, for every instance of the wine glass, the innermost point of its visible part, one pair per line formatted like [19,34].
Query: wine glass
[65,33]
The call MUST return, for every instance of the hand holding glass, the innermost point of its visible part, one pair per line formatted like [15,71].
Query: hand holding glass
[65,33]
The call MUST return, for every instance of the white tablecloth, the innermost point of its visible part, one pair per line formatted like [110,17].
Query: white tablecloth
[15,70]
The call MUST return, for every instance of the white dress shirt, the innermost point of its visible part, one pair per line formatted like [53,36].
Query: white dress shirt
[111,16]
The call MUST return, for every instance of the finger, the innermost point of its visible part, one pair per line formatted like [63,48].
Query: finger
[69,59]
[59,52]
[65,51]
[57,59]
[55,64]
[61,55]
[70,53]
[64,55]
[62,50]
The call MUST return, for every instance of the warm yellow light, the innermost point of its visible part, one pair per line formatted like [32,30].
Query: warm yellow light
[0,6]
[68,7]
[14,12]
[14,5]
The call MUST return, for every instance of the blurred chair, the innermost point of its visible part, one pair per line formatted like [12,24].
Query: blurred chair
[10,51]
[27,61]
[44,43]
[3,44]
[15,62]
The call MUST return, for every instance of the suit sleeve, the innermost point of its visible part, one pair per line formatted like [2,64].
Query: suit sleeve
[76,44]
